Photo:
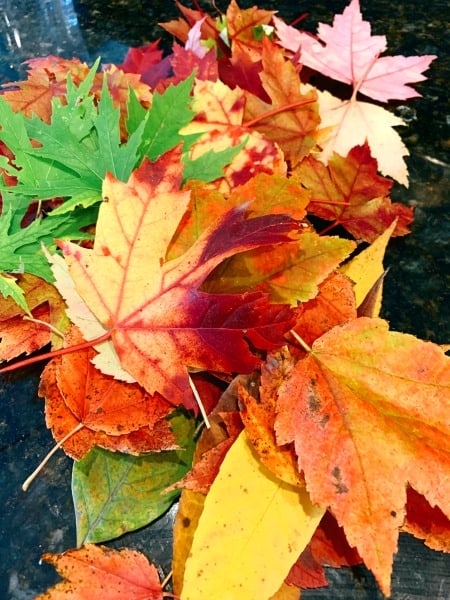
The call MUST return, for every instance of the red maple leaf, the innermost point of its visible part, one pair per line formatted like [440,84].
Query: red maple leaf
[160,323]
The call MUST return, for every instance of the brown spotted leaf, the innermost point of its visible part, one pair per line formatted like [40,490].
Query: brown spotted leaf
[369,412]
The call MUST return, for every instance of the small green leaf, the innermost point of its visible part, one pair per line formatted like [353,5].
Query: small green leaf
[114,493]
[168,114]
[209,166]
[9,287]
[20,247]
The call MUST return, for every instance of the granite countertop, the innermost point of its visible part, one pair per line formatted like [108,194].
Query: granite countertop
[416,297]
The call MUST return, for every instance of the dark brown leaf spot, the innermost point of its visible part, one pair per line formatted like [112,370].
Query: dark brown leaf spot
[341,488]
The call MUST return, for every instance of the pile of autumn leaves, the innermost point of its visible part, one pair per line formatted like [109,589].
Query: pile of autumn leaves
[327,432]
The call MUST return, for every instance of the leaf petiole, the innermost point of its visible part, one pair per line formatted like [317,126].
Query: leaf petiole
[302,343]
[55,353]
[28,480]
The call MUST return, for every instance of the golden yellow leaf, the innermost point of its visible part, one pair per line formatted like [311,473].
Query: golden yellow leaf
[189,511]
[287,592]
[252,529]
[367,268]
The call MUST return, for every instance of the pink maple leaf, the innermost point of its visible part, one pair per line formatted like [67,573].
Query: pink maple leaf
[346,51]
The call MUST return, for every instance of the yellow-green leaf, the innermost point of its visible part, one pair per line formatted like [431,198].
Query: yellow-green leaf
[367,268]
[252,529]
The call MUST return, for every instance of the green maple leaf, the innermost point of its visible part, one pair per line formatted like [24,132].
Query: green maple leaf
[69,158]
[21,247]
[82,143]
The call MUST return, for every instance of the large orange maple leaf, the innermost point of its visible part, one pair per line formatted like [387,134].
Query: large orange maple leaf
[159,322]
[369,413]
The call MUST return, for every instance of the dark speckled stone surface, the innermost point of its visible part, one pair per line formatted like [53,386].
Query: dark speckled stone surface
[417,296]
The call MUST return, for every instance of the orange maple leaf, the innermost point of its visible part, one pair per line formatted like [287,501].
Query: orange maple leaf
[368,411]
[100,573]
[241,24]
[159,322]
[258,415]
[333,305]
[19,335]
[47,78]
[292,118]
[115,415]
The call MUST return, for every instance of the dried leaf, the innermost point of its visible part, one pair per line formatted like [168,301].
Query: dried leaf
[366,269]
[151,306]
[346,51]
[99,573]
[368,411]
[252,528]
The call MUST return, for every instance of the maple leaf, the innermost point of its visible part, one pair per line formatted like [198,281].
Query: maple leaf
[46,79]
[358,196]
[185,61]
[98,572]
[258,416]
[89,136]
[334,304]
[242,27]
[368,412]
[158,320]
[349,123]
[218,125]
[20,247]
[26,336]
[290,273]
[348,52]
[148,62]
[83,141]
[115,415]
[180,27]
[294,127]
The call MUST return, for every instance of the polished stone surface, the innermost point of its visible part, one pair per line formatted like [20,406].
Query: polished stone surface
[416,298]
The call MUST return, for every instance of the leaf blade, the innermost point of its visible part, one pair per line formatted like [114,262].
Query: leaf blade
[260,536]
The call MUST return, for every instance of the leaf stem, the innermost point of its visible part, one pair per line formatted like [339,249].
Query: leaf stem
[200,403]
[276,111]
[302,343]
[45,324]
[55,353]
[28,480]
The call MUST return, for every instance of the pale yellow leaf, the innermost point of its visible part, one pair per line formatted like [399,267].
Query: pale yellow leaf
[252,529]
[345,124]
[367,268]
[82,316]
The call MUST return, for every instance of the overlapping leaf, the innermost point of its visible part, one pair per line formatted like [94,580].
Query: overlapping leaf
[93,571]
[290,274]
[294,126]
[346,51]
[219,120]
[349,192]
[159,322]
[368,411]
[113,414]
[47,310]
[115,493]
[260,535]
